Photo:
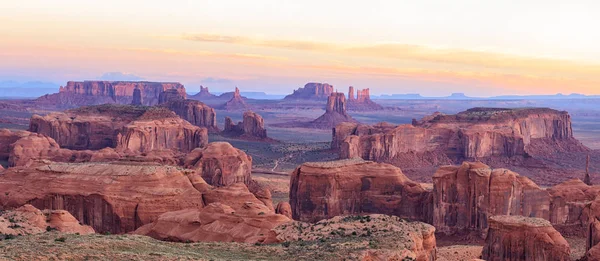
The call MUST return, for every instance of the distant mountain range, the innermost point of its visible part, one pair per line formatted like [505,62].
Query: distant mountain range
[462,96]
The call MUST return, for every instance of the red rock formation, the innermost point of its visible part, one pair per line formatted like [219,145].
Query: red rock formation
[521,238]
[236,102]
[220,164]
[335,113]
[76,94]
[476,134]
[171,95]
[138,129]
[161,134]
[216,222]
[27,220]
[110,197]
[327,189]
[203,94]
[284,208]
[8,137]
[137,97]
[311,91]
[362,102]
[345,129]
[195,112]
[252,127]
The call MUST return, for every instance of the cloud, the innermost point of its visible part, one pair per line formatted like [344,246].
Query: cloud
[119,76]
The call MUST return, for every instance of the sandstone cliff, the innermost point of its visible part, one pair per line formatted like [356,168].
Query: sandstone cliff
[220,164]
[195,112]
[27,220]
[171,95]
[520,238]
[476,134]
[76,94]
[324,190]
[311,91]
[122,126]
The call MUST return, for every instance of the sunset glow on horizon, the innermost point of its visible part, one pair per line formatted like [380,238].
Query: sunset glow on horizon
[430,47]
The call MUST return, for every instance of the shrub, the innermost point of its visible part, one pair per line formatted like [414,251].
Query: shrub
[61,239]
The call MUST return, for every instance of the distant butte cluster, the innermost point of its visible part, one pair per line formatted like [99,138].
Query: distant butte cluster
[312,91]
[362,101]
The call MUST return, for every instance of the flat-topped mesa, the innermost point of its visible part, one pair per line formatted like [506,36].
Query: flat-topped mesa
[171,95]
[345,129]
[335,113]
[476,134]
[322,190]
[85,93]
[517,238]
[236,102]
[311,91]
[119,126]
[195,112]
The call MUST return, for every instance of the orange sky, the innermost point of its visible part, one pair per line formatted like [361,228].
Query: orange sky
[277,46]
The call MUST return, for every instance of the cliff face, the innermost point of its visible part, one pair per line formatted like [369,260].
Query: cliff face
[118,126]
[195,112]
[312,91]
[513,238]
[327,189]
[100,92]
[171,95]
[471,135]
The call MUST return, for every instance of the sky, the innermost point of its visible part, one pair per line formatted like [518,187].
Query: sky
[481,48]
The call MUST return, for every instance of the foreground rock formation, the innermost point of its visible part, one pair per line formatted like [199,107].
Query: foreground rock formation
[220,164]
[522,238]
[362,101]
[324,190]
[27,220]
[395,238]
[119,126]
[488,135]
[252,127]
[195,112]
[85,93]
[110,197]
[311,91]
[335,113]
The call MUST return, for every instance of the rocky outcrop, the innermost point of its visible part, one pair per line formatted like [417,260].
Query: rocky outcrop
[465,196]
[203,94]
[220,164]
[110,197]
[252,127]
[8,137]
[284,208]
[216,222]
[396,239]
[311,91]
[236,102]
[523,238]
[345,129]
[161,134]
[137,97]
[85,93]
[476,134]
[171,95]
[133,128]
[362,101]
[335,113]
[195,112]
[27,220]
[327,189]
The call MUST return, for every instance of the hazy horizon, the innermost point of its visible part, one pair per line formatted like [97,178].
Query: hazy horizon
[433,48]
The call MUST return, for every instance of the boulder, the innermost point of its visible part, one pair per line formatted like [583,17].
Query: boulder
[523,238]
[220,164]
[284,208]
[322,190]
